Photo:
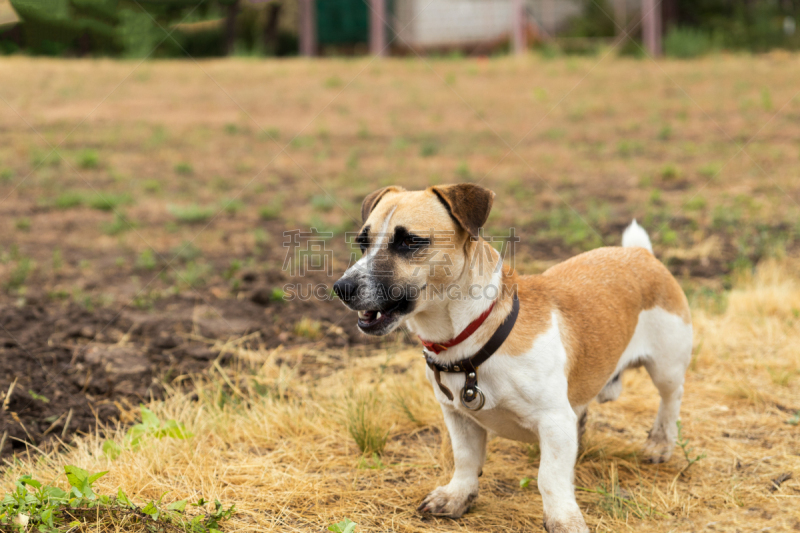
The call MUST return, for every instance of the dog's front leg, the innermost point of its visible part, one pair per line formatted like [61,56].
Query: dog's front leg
[558,442]
[469,452]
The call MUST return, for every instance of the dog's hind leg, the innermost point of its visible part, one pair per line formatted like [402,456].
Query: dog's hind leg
[582,413]
[612,389]
[667,367]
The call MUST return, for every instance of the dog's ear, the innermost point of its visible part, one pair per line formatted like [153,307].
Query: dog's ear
[469,205]
[373,198]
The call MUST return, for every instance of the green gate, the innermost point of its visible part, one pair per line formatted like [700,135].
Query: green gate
[342,21]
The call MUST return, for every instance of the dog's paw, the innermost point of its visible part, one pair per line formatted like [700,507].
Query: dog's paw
[447,501]
[658,450]
[573,524]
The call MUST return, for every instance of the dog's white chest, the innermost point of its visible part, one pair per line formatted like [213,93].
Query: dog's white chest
[519,390]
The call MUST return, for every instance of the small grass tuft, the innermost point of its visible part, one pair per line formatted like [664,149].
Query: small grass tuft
[192,213]
[88,159]
[322,202]
[428,148]
[271,211]
[23,224]
[365,423]
[184,169]
[108,201]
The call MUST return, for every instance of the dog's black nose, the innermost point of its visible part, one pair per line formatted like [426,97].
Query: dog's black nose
[345,289]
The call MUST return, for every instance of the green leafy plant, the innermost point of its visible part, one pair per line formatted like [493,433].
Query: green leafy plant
[345,526]
[683,442]
[34,506]
[150,427]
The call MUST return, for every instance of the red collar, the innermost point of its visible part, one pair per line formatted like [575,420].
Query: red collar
[437,347]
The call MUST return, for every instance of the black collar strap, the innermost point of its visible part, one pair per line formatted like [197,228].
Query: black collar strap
[469,366]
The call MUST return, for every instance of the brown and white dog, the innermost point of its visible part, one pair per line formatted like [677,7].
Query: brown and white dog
[579,326]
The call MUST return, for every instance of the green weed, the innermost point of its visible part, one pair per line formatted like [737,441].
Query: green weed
[149,428]
[146,260]
[69,199]
[108,201]
[696,203]
[428,148]
[670,172]
[23,224]
[322,202]
[192,213]
[184,169]
[232,206]
[333,82]
[35,506]
[683,442]
[47,159]
[38,397]
[271,211]
[6,175]
[277,295]
[628,148]
[345,526]
[120,224]
[187,251]
[462,171]
[58,261]
[766,99]
[151,186]
[19,274]
[88,159]
[193,275]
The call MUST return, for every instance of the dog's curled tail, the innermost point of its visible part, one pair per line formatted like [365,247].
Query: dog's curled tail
[635,235]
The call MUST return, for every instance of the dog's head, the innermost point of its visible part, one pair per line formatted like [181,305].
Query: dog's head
[413,243]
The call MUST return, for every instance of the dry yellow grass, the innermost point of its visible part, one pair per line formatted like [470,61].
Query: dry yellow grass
[271,436]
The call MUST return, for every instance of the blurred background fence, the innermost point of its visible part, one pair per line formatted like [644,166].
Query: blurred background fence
[203,28]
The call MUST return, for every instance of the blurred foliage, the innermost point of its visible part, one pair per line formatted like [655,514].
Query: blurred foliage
[688,42]
[129,28]
[743,24]
[696,27]
[174,28]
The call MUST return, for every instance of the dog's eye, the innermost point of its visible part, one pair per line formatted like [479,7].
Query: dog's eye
[412,242]
[363,242]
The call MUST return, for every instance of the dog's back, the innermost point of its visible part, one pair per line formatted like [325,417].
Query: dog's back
[601,296]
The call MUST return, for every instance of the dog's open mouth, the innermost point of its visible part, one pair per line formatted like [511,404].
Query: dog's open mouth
[378,320]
